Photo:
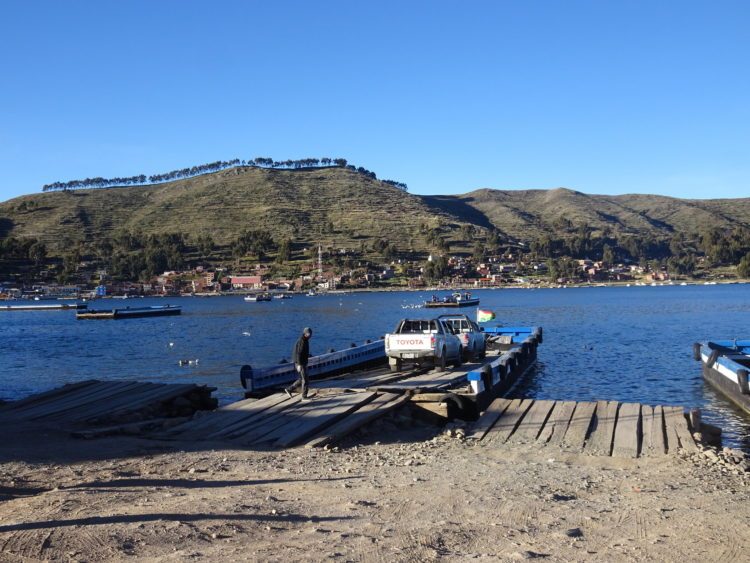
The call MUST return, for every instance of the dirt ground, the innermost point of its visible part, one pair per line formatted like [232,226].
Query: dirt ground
[419,496]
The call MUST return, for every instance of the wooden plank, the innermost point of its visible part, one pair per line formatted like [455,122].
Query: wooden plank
[658,432]
[670,430]
[442,381]
[258,433]
[317,422]
[247,423]
[680,430]
[428,380]
[436,397]
[252,404]
[46,396]
[228,416]
[75,394]
[557,423]
[79,400]
[112,402]
[578,429]
[532,424]
[127,404]
[364,415]
[647,425]
[507,423]
[316,414]
[131,428]
[490,416]
[627,431]
[368,380]
[602,434]
[683,431]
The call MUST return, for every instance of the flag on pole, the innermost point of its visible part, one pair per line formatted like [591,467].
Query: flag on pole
[484,316]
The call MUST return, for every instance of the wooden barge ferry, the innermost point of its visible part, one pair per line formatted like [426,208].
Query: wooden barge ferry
[51,307]
[130,312]
[459,393]
[455,300]
[726,364]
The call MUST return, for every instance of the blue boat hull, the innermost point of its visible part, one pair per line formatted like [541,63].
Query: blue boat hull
[726,365]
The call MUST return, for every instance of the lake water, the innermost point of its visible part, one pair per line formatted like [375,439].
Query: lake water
[617,343]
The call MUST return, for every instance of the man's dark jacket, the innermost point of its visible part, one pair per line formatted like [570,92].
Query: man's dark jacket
[301,351]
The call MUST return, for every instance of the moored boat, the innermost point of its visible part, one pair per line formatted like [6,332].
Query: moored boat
[726,364]
[131,312]
[457,299]
[258,297]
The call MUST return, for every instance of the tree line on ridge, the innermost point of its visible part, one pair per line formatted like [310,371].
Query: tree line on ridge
[258,162]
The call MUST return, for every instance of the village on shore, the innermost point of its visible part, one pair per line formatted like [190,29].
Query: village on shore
[455,272]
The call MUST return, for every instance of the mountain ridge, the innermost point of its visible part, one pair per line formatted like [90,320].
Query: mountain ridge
[342,207]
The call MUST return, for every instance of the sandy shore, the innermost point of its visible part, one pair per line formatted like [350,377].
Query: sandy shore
[421,497]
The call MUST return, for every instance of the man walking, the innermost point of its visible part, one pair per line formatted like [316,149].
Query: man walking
[300,355]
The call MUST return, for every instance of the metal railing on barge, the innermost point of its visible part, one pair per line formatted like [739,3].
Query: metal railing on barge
[256,380]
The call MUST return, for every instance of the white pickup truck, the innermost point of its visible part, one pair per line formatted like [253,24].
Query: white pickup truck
[468,332]
[423,341]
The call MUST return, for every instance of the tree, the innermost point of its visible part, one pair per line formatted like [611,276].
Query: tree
[436,269]
[37,253]
[743,268]
[608,257]
[285,251]
[205,244]
[479,252]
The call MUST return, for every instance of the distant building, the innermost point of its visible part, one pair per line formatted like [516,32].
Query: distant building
[246,282]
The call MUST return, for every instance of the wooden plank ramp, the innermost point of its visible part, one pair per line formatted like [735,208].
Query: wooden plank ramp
[603,431]
[281,422]
[557,423]
[99,402]
[431,381]
[373,410]
[531,425]
[578,429]
[604,428]
[488,418]
[508,422]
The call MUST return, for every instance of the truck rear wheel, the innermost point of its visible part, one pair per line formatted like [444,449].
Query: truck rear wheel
[440,362]
[395,364]
[471,355]
[459,357]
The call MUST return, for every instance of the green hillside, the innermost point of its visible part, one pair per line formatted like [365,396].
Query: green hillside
[526,214]
[332,206]
[341,208]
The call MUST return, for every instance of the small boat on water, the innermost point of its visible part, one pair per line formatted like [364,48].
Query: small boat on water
[457,299]
[282,296]
[131,312]
[51,307]
[258,297]
[726,364]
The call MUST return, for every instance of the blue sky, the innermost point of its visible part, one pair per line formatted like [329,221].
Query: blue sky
[599,96]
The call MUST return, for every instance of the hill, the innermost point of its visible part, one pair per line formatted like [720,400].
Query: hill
[333,206]
[527,214]
[343,208]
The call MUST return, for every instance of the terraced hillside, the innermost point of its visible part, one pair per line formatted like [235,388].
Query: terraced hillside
[525,214]
[330,205]
[340,207]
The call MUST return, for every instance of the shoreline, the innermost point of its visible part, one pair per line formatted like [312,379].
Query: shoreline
[432,289]
[418,495]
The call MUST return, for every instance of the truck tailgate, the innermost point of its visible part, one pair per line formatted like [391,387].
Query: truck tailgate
[417,342]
